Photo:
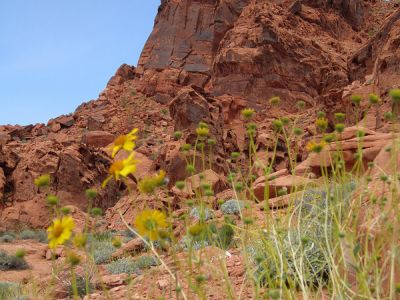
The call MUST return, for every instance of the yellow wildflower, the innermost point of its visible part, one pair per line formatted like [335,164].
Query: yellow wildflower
[150,222]
[116,242]
[60,231]
[202,131]
[248,113]
[316,147]
[159,179]
[43,180]
[196,230]
[125,141]
[121,168]
[149,183]
[322,124]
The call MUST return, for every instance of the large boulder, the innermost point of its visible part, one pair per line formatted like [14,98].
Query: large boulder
[73,169]
[98,138]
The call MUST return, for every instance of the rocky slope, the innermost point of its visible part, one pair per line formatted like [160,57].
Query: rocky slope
[205,60]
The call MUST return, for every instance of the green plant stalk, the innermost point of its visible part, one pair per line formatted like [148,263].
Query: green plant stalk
[151,246]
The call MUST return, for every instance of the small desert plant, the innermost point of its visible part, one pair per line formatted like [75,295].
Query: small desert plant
[41,236]
[27,234]
[12,262]
[7,238]
[102,252]
[123,265]
[232,207]
[146,261]
[202,213]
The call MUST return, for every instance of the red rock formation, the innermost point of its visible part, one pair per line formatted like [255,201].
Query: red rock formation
[204,61]
[254,49]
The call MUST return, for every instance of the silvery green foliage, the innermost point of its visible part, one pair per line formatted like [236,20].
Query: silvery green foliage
[28,235]
[41,236]
[102,251]
[304,247]
[202,213]
[7,238]
[11,262]
[123,265]
[146,261]
[232,207]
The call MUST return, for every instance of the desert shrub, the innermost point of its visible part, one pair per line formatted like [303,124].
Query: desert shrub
[202,213]
[102,247]
[277,258]
[232,207]
[130,266]
[7,238]
[11,262]
[146,261]
[102,252]
[123,265]
[299,255]
[27,234]
[41,236]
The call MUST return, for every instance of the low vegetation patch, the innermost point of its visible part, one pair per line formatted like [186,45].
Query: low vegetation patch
[12,262]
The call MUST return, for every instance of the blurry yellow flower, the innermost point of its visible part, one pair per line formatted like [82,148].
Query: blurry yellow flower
[316,147]
[116,242]
[149,183]
[196,230]
[159,179]
[80,240]
[121,168]
[274,101]
[150,222]
[60,231]
[126,142]
[247,113]
[202,131]
[43,180]
[322,123]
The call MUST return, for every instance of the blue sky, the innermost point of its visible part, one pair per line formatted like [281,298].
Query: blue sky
[54,55]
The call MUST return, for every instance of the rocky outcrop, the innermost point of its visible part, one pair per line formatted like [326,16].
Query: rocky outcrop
[251,49]
[188,109]
[352,10]
[181,48]
[73,169]
[380,56]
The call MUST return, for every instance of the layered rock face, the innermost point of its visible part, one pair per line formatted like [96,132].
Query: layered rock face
[182,46]
[252,49]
